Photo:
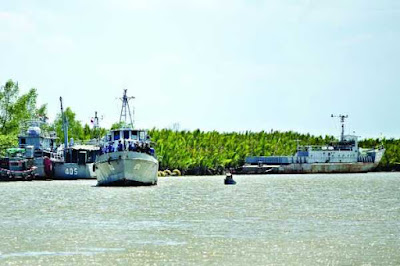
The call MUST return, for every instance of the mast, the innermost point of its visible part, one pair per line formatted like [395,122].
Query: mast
[342,118]
[125,107]
[65,128]
[96,125]
[95,121]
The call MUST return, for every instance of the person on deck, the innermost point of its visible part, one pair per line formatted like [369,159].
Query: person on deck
[120,146]
[110,148]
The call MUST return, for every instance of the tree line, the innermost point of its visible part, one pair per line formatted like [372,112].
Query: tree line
[192,152]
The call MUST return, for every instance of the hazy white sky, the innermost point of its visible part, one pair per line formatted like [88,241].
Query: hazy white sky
[227,65]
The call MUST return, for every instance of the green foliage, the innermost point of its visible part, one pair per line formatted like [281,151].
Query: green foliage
[75,128]
[15,109]
[194,152]
[93,133]
[7,141]
[206,152]
[199,152]
[119,125]
[391,158]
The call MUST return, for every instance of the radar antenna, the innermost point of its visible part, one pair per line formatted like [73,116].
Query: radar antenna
[125,105]
[342,118]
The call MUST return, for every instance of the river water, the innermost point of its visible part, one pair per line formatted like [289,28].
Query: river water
[349,219]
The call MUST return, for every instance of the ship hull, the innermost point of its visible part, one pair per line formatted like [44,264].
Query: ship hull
[38,162]
[42,172]
[305,168]
[126,168]
[71,171]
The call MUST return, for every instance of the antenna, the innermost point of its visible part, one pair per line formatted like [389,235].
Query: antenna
[125,105]
[342,118]
[65,127]
[95,121]
[96,125]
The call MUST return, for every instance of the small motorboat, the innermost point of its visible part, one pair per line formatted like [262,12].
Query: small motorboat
[229,179]
[18,165]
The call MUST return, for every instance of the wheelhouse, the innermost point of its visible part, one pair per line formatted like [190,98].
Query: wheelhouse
[42,141]
[81,154]
[127,134]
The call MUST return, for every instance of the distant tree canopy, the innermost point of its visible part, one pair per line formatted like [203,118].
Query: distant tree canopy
[75,128]
[14,110]
[118,125]
[198,152]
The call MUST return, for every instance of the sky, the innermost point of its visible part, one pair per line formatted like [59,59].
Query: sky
[226,65]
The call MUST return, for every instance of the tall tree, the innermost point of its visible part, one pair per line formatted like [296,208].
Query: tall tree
[15,109]
[75,129]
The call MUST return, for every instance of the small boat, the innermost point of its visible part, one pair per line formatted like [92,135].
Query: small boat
[18,165]
[229,179]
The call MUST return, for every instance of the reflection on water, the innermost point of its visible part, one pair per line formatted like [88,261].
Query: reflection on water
[285,219]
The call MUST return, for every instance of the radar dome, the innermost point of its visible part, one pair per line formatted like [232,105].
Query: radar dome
[34,131]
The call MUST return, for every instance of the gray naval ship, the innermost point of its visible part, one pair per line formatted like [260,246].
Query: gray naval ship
[77,163]
[126,157]
[344,156]
[68,161]
[43,143]
[74,161]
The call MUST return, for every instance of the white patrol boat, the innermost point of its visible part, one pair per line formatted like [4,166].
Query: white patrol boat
[126,157]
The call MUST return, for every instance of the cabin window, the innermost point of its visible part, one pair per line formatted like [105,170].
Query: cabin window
[116,135]
[90,157]
[126,134]
[23,141]
[141,135]
[134,134]
[81,157]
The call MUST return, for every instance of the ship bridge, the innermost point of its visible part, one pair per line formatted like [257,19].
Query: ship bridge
[127,134]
